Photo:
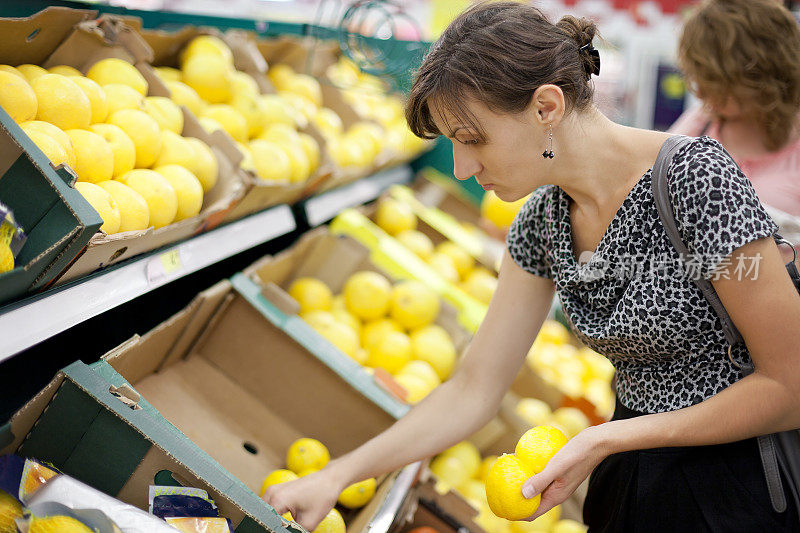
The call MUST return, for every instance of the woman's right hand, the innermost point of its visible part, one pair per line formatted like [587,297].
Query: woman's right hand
[308,499]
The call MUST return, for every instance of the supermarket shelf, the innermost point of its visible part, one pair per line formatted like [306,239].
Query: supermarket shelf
[53,313]
[320,209]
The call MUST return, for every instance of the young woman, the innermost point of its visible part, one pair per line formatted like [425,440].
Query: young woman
[508,87]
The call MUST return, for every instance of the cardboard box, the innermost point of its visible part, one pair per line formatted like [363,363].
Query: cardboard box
[446,513]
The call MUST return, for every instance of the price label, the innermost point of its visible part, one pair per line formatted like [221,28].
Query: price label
[163,266]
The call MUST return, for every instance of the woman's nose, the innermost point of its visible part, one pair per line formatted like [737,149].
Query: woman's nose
[465,165]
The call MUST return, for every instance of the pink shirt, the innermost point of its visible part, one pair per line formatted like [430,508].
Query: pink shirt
[775,176]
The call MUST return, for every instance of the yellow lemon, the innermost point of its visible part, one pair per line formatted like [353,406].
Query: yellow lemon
[175,150]
[337,333]
[61,102]
[392,352]
[461,259]
[6,264]
[121,145]
[480,286]
[210,77]
[538,445]
[417,242]
[232,121]
[57,524]
[134,215]
[332,523]
[206,167]
[311,148]
[304,85]
[306,453]
[568,526]
[280,133]
[168,74]
[97,98]
[276,110]
[243,83]
[50,147]
[346,317]
[207,45]
[543,524]
[299,165]
[94,159]
[187,187]
[444,266]
[277,477]
[553,332]
[10,508]
[346,153]
[449,470]
[65,70]
[375,330]
[468,454]
[414,304]
[270,161]
[143,130]
[17,98]
[301,104]
[328,122]
[533,411]
[472,489]
[52,131]
[504,488]
[165,112]
[422,370]
[486,465]
[31,72]
[115,70]
[571,419]
[103,203]
[162,201]
[251,107]
[498,212]
[209,124]
[370,133]
[433,345]
[311,293]
[279,74]
[416,387]
[247,162]
[393,216]
[182,94]
[358,494]
[367,295]
[12,70]
[121,97]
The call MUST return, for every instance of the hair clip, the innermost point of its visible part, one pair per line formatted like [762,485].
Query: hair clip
[594,55]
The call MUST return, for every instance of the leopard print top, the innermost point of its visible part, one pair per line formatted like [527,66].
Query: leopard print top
[632,301]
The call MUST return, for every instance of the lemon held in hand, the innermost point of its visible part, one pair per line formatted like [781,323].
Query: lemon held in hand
[504,489]
[538,445]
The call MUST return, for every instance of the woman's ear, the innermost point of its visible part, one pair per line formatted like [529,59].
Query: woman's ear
[547,105]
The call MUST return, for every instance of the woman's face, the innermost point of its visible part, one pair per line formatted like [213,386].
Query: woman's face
[507,158]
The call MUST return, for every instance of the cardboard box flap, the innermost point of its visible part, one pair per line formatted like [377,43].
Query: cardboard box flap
[246,56]
[32,39]
[85,46]
[117,30]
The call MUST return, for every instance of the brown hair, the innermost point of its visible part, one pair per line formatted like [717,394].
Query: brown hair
[748,50]
[499,53]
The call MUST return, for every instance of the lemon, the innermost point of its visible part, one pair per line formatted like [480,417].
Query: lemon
[50,147]
[134,215]
[182,94]
[207,45]
[143,130]
[232,121]
[31,72]
[279,74]
[210,125]
[252,108]
[394,216]
[206,167]
[311,148]
[115,70]
[306,453]
[504,488]
[243,83]
[6,264]
[461,259]
[121,97]
[346,317]
[94,159]
[367,149]
[210,77]
[280,133]
[533,411]
[301,104]
[17,98]
[369,133]
[568,526]
[486,465]
[490,523]
[103,203]
[57,524]
[391,352]
[65,70]
[12,70]
[299,165]
[538,445]
[571,419]
[472,489]
[61,102]
[175,150]
[10,508]
[332,523]
[480,286]
[553,332]
[416,387]
[270,161]
[498,212]
[168,74]
[449,470]
[305,86]
[276,477]
[543,524]
[375,330]
[444,266]
[307,472]
[328,122]
[162,201]
[337,333]
[358,494]
[346,153]
[311,293]
[247,162]
[417,242]
[433,345]
[468,454]
[165,112]
[422,370]
[97,98]
[413,304]
[52,131]
[187,187]
[121,145]
[367,295]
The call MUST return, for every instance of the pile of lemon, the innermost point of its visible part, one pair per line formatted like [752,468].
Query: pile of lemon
[451,261]
[578,372]
[368,96]
[306,456]
[535,412]
[264,126]
[132,164]
[381,325]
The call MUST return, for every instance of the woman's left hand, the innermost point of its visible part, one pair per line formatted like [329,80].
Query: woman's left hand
[567,469]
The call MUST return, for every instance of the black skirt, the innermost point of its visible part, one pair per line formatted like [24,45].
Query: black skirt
[719,488]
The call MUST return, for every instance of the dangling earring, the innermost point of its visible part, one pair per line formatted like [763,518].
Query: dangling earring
[549,152]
